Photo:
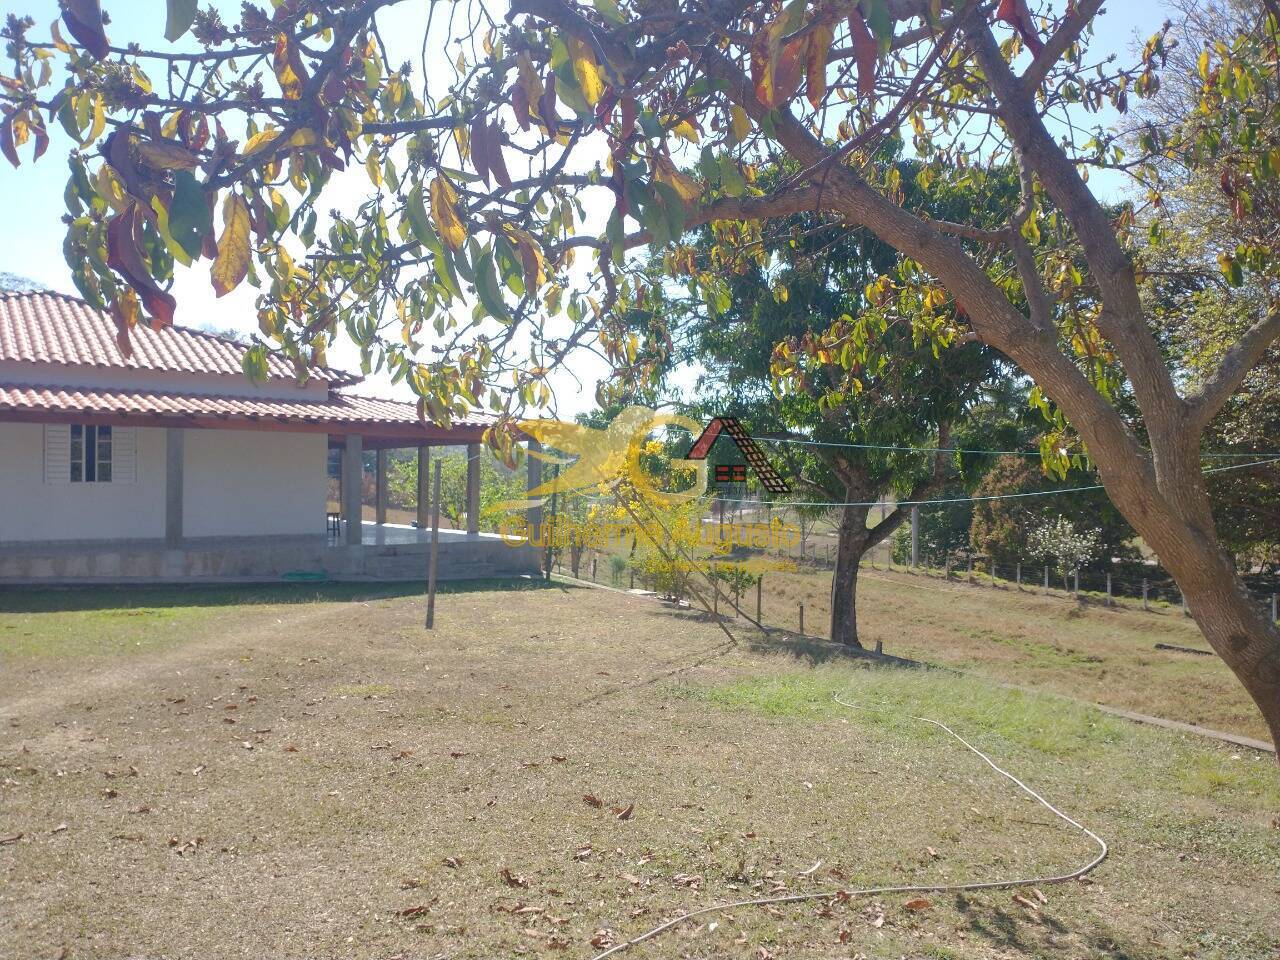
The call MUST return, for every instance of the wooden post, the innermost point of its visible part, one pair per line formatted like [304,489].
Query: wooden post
[473,489]
[1046,580]
[802,619]
[551,524]
[380,487]
[1018,574]
[1274,618]
[915,536]
[533,480]
[434,561]
[993,574]
[971,568]
[946,565]
[1075,592]
[760,584]
[1108,589]
[424,487]
[1144,594]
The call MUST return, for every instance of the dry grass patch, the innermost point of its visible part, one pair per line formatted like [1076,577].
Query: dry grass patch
[325,779]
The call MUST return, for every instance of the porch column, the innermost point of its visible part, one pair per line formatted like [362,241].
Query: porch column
[473,488]
[534,476]
[380,487]
[424,487]
[174,458]
[353,486]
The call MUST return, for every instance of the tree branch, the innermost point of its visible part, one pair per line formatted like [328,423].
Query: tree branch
[1235,366]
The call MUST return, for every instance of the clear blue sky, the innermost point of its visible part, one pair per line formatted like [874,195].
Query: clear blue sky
[31,196]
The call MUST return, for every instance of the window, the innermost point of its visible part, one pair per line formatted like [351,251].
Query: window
[90,454]
[80,453]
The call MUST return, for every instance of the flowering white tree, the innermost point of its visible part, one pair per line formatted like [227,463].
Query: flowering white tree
[1059,541]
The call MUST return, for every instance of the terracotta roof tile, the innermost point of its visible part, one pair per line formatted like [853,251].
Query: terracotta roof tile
[56,328]
[150,405]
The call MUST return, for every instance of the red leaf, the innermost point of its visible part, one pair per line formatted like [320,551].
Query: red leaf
[497,163]
[1018,15]
[6,140]
[866,53]
[520,104]
[629,113]
[125,258]
[84,19]
[480,148]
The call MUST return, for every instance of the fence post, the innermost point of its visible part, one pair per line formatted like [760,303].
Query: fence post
[993,574]
[1046,580]
[759,584]
[946,565]
[971,568]
[715,592]
[593,569]
[1274,618]
[1075,592]
[1017,573]
[802,619]
[1144,594]
[915,536]
[1108,589]
[633,578]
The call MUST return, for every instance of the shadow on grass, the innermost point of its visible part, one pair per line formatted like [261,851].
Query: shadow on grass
[776,640]
[118,596]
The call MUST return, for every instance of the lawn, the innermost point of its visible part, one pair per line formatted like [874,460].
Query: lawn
[306,772]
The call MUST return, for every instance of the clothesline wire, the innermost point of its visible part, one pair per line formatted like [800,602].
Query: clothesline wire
[1013,453]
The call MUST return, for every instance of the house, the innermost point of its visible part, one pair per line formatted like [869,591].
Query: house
[172,464]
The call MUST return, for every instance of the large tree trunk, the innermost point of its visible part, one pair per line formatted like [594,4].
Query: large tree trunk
[852,542]
[1178,524]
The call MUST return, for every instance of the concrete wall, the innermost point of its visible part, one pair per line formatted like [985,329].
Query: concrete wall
[31,510]
[236,483]
[242,483]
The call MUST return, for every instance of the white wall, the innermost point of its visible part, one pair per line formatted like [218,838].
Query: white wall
[236,483]
[245,483]
[31,510]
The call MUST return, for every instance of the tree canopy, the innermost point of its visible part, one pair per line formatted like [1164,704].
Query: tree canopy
[481,234]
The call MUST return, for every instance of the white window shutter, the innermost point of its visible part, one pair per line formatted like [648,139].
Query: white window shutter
[124,454]
[57,453]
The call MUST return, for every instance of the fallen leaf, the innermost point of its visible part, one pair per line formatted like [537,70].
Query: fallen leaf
[512,879]
[453,863]
[11,838]
[415,911]
[1024,902]
[592,800]
[59,828]
[933,853]
[918,903]
[625,813]
[1039,895]
[602,938]
[290,748]
[458,753]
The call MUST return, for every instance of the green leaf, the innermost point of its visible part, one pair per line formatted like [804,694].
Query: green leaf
[182,13]
[189,218]
[488,291]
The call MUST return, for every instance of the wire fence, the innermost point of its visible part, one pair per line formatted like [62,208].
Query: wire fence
[810,546]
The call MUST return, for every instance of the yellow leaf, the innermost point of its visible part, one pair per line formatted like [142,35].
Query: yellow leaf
[260,141]
[232,262]
[820,41]
[444,211]
[585,70]
[739,123]
[306,137]
[99,120]
[686,131]
[57,39]
[686,186]
[290,82]
[168,155]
